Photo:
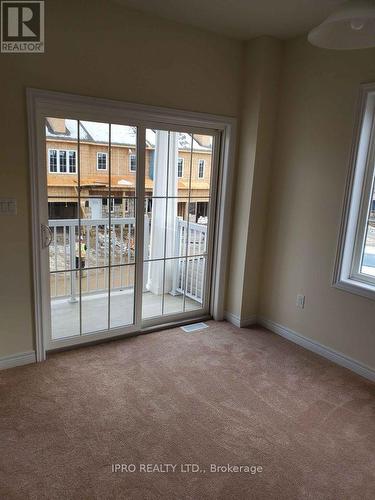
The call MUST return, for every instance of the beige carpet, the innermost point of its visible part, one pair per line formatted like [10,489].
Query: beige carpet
[217,396]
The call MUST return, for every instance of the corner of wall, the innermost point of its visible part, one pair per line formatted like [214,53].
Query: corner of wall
[262,65]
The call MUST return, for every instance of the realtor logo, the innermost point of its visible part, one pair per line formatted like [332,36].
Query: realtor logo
[22,27]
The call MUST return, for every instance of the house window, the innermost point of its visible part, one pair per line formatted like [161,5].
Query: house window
[72,162]
[180,168]
[52,160]
[132,163]
[62,162]
[355,264]
[58,161]
[101,161]
[201,165]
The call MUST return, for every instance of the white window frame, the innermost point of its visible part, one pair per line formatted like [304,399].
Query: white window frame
[132,155]
[49,161]
[97,161]
[67,151]
[204,168]
[358,197]
[68,163]
[182,167]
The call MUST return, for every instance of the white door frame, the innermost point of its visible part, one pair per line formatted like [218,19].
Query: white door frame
[41,103]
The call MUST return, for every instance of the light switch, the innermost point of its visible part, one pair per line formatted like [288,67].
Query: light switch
[8,206]
[300,301]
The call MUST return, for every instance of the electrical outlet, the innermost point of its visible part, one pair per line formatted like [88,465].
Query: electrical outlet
[300,301]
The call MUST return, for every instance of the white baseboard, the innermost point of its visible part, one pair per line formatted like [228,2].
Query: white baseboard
[311,345]
[237,321]
[21,358]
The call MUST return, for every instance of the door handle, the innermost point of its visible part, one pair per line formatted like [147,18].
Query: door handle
[47,236]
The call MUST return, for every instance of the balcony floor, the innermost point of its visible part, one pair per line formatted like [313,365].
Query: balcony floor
[65,314]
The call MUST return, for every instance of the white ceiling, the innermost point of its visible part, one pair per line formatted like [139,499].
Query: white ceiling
[242,19]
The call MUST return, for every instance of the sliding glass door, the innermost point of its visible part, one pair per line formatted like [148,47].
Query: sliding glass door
[129,227]
[178,209]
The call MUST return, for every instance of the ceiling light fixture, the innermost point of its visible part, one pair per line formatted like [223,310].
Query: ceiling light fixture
[352,26]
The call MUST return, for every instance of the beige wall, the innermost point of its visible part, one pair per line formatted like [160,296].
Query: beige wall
[100,49]
[263,58]
[310,163]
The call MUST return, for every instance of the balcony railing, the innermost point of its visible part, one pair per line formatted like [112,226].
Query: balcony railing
[118,245]
[196,247]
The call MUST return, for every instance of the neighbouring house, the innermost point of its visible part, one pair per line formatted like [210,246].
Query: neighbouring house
[95,156]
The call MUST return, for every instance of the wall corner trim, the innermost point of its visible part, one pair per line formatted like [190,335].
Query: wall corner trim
[311,345]
[240,322]
[18,359]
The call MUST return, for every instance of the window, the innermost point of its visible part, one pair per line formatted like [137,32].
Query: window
[52,160]
[132,163]
[58,161]
[112,202]
[192,208]
[201,164]
[62,161]
[101,161]
[355,263]
[72,162]
[180,168]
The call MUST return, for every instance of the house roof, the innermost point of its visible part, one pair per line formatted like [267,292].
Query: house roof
[120,135]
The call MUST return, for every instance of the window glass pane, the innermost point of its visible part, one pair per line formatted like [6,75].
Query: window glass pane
[176,227]
[72,162]
[132,162]
[201,170]
[102,161]
[62,180]
[153,273]
[96,240]
[180,168]
[174,275]
[154,229]
[177,198]
[195,282]
[63,224]
[123,224]
[158,156]
[122,295]
[62,162]
[94,158]
[368,256]
[123,160]
[201,164]
[94,305]
[198,226]
[92,223]
[52,159]
[184,163]
[64,288]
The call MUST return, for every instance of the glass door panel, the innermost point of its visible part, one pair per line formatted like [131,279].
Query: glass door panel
[122,295]
[178,194]
[91,185]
